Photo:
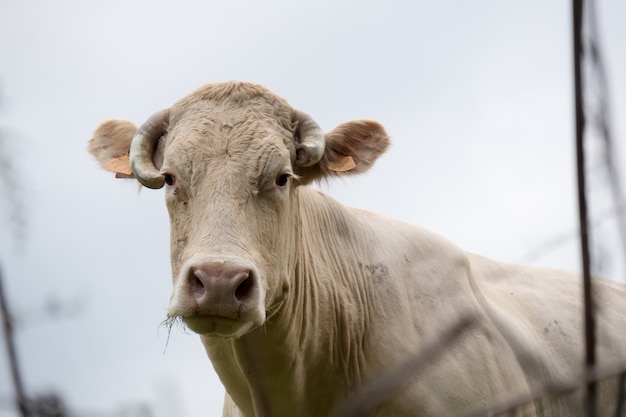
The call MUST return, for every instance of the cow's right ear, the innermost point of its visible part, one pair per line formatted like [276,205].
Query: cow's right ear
[110,145]
[351,148]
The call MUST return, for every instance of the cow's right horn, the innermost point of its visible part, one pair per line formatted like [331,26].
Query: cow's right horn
[142,148]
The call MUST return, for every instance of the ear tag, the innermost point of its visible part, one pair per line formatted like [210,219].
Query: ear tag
[345,163]
[121,167]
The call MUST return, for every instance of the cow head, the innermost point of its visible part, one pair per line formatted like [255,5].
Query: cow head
[231,157]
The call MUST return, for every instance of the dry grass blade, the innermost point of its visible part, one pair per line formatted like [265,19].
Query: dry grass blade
[372,395]
[168,323]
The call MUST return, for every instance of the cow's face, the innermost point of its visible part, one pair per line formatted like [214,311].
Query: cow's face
[230,158]
[229,181]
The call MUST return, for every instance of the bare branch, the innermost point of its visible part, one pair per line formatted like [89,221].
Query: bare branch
[588,312]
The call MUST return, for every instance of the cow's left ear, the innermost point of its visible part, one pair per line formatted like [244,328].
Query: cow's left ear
[351,148]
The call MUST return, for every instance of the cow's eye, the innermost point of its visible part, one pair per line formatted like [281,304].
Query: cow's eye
[169,179]
[282,180]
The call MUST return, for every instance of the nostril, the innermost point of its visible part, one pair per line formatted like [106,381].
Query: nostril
[197,287]
[243,289]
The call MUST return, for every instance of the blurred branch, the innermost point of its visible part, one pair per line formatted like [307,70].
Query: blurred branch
[599,109]
[563,238]
[384,387]
[554,390]
[20,397]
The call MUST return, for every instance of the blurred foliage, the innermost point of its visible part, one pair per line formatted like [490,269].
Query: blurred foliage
[11,201]
[50,405]
[12,213]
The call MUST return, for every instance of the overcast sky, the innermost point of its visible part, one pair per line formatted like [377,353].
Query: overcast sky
[477,97]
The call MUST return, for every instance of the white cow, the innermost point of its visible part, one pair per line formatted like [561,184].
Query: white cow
[300,300]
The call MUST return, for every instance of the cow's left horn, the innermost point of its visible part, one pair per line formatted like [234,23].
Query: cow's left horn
[142,148]
[310,141]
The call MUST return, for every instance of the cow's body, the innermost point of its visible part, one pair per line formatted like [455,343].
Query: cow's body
[402,286]
[299,300]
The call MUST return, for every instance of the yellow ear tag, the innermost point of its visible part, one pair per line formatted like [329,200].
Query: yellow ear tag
[345,163]
[121,167]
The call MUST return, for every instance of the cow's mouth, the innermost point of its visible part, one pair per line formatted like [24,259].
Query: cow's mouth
[217,326]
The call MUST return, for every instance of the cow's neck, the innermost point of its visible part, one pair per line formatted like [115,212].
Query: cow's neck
[315,342]
[327,305]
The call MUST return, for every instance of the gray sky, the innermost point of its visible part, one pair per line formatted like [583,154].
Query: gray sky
[476,95]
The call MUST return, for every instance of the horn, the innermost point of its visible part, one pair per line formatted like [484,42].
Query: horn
[142,149]
[310,140]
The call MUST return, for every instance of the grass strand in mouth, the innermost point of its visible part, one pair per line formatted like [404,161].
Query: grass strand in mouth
[168,323]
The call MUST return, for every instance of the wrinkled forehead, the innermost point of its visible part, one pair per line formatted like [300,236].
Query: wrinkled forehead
[254,131]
